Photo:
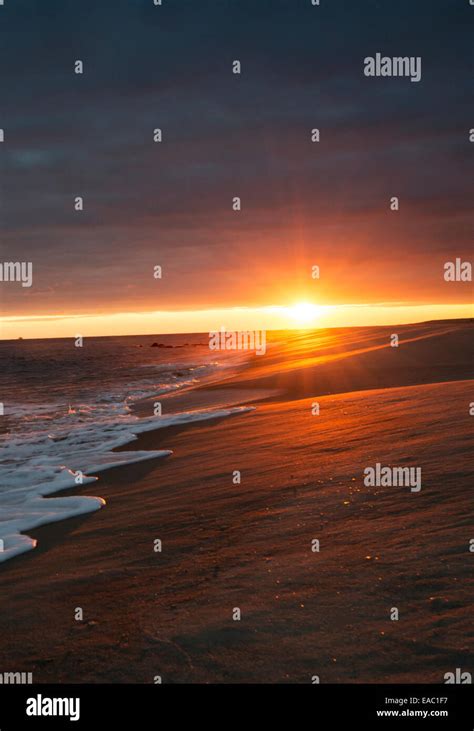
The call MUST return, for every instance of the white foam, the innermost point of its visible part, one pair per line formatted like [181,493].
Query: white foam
[79,442]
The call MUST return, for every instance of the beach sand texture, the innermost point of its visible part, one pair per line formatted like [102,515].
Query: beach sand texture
[249,545]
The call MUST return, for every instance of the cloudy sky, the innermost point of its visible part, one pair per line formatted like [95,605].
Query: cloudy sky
[227,135]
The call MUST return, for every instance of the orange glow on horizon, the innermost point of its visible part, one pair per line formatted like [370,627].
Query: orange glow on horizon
[302,315]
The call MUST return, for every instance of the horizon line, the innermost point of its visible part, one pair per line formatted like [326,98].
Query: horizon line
[270,329]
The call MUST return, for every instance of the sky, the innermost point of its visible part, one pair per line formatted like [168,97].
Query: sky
[226,135]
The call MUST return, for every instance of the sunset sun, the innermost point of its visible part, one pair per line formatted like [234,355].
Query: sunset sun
[304,313]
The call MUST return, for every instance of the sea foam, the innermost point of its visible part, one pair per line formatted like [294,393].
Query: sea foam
[36,464]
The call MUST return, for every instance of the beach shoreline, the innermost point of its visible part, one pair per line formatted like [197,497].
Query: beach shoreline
[247,544]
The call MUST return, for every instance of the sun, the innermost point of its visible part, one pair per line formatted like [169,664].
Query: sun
[304,313]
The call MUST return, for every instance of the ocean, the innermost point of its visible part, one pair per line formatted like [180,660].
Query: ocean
[66,408]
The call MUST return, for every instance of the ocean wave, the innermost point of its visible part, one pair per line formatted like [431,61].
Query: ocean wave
[39,465]
[64,441]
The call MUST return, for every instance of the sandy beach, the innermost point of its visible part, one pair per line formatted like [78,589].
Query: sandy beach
[248,544]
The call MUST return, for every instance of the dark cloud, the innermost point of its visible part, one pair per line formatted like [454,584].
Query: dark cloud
[170,67]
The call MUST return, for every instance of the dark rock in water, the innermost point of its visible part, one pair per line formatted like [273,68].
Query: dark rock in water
[157,345]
